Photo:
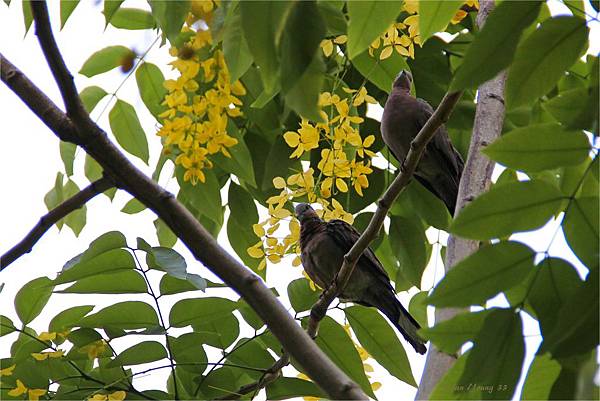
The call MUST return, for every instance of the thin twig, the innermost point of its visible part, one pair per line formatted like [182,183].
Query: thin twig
[53,216]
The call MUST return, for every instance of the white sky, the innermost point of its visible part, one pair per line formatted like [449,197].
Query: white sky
[30,159]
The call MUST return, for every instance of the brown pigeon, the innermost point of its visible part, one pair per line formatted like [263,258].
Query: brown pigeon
[323,246]
[441,165]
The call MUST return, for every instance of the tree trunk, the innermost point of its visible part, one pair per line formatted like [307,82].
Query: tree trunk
[476,179]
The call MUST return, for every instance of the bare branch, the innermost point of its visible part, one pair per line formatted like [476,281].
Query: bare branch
[476,179]
[49,219]
[84,132]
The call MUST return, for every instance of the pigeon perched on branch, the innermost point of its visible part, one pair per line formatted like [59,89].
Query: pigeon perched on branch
[441,166]
[323,246]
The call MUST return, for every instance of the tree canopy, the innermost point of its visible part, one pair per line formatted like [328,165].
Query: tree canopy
[268,104]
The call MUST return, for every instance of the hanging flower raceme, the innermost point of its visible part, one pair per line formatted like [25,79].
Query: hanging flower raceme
[344,163]
[200,101]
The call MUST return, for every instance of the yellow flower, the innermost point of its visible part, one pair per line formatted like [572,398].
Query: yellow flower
[98,397]
[375,386]
[459,16]
[46,336]
[327,46]
[411,6]
[7,371]
[19,390]
[94,349]
[40,356]
[338,212]
[36,393]
[256,250]
[117,396]
[305,139]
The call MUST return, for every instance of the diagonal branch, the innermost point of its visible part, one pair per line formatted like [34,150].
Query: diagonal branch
[319,309]
[81,130]
[53,216]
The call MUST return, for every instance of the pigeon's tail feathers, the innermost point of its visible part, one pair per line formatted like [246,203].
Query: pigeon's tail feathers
[387,303]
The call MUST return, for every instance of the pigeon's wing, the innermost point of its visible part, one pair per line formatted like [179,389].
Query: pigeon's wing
[345,236]
[440,145]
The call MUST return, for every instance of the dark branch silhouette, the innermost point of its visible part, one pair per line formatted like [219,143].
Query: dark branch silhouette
[53,216]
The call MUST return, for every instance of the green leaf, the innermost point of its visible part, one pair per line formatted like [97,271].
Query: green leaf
[418,308]
[505,209]
[205,197]
[165,236]
[500,340]
[66,9]
[262,38]
[483,274]
[133,206]
[580,227]
[380,340]
[199,310]
[543,57]
[188,352]
[105,60]
[301,296]
[93,171]
[434,16]
[575,331]
[144,352]
[125,315]
[541,377]
[369,19]
[449,335]
[539,147]
[428,206]
[105,262]
[450,386]
[252,353]
[67,154]
[106,242]
[27,15]
[119,282]
[409,243]
[496,43]
[32,297]
[544,295]
[69,318]
[575,108]
[55,196]
[171,285]
[218,333]
[77,218]
[150,80]
[235,48]
[110,7]
[292,387]
[6,326]
[169,261]
[300,39]
[382,73]
[304,95]
[242,216]
[132,18]
[250,315]
[170,16]
[126,127]
[338,346]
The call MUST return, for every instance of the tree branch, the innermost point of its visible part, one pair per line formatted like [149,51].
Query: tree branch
[319,309]
[85,133]
[476,179]
[53,216]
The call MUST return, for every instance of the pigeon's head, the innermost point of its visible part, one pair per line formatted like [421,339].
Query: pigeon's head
[403,80]
[305,212]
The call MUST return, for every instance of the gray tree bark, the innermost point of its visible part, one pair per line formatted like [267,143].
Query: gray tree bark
[476,179]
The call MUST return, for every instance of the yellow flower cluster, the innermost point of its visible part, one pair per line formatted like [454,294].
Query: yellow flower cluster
[94,349]
[327,45]
[461,14]
[199,102]
[345,162]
